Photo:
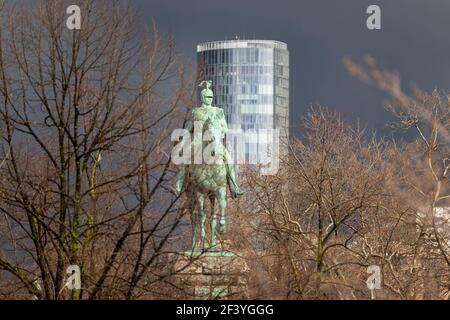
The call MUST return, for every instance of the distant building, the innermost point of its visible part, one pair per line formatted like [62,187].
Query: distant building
[251,83]
[437,225]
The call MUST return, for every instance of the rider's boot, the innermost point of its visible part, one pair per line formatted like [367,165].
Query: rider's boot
[231,177]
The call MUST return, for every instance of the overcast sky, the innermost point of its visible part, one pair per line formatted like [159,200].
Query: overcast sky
[414,40]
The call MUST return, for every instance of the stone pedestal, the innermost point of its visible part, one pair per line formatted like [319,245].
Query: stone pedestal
[212,275]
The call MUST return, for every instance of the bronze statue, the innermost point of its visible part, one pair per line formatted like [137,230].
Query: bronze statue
[209,179]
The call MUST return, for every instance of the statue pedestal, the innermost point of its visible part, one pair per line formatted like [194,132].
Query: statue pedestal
[212,275]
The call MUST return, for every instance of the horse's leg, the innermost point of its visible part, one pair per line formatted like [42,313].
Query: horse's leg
[222,201]
[201,214]
[213,221]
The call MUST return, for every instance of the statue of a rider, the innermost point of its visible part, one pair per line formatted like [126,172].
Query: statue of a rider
[215,118]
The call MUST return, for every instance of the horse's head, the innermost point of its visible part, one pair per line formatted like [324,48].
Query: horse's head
[213,137]
[213,133]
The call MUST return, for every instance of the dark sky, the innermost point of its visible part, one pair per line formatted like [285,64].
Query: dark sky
[414,40]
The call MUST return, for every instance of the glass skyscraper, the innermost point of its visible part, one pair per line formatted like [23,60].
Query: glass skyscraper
[250,81]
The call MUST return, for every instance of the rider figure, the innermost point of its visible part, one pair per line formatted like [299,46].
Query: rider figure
[207,113]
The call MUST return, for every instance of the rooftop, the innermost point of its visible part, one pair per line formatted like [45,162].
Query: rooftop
[233,44]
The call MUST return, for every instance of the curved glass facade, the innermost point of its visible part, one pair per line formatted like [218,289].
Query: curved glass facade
[250,81]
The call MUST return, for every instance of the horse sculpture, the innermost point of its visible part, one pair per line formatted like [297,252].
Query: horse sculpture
[210,181]
[209,178]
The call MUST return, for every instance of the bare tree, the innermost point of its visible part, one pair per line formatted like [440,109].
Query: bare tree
[313,210]
[85,120]
[424,168]
[339,204]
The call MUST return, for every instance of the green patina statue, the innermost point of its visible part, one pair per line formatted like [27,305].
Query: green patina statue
[209,179]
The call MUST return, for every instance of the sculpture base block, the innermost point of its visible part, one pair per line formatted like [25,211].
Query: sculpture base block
[212,275]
